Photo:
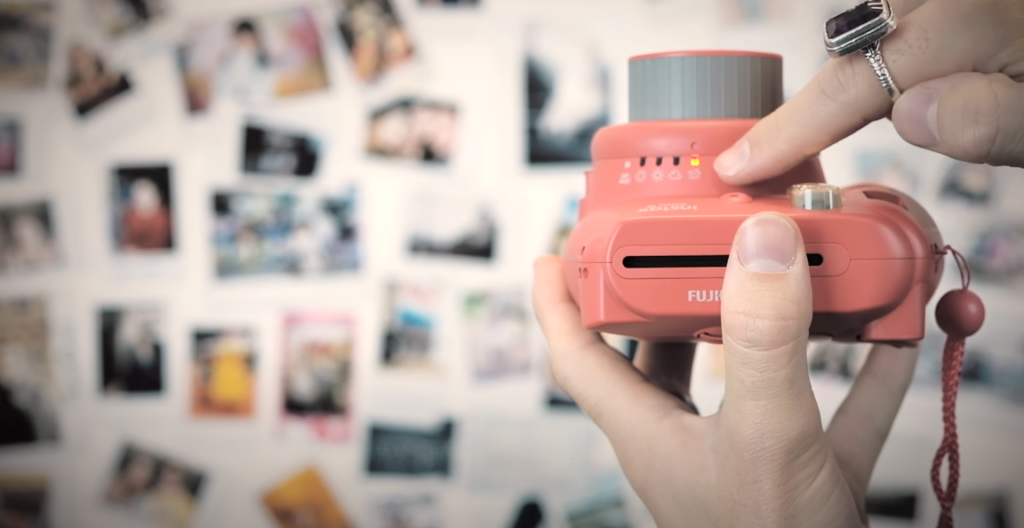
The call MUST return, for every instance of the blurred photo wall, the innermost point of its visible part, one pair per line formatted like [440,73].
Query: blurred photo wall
[267,263]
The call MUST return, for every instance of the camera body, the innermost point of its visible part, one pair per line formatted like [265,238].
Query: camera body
[648,255]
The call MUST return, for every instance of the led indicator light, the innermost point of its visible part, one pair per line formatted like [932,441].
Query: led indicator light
[695,161]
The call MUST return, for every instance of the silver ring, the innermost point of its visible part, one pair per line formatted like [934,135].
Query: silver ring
[873,52]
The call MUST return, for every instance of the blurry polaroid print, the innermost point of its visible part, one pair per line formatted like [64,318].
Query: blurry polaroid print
[223,372]
[891,504]
[374,36]
[411,451]
[409,334]
[602,511]
[121,17]
[752,11]
[498,335]
[888,169]
[998,254]
[318,357]
[10,147]
[266,233]
[28,408]
[25,43]
[271,151]
[304,501]
[132,349]
[91,83]
[413,129]
[411,511]
[567,99]
[253,59]
[566,223]
[23,501]
[451,227]
[982,511]
[143,221]
[969,182]
[27,240]
[154,487]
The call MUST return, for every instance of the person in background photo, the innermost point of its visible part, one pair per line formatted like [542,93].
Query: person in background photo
[170,502]
[137,355]
[31,245]
[145,222]
[89,83]
[246,72]
[133,480]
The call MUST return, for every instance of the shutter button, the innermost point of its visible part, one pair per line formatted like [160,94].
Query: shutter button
[815,196]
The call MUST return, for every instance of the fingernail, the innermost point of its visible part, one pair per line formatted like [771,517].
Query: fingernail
[732,161]
[767,244]
[917,112]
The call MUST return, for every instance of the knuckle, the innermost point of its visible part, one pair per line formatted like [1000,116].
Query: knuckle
[765,325]
[837,81]
[980,118]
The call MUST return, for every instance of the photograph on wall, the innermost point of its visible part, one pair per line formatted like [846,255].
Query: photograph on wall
[496,323]
[603,510]
[304,500]
[450,3]
[272,151]
[997,255]
[284,233]
[25,43]
[410,451]
[567,94]
[413,129]
[752,11]
[151,486]
[27,238]
[10,147]
[143,221]
[447,226]
[407,511]
[979,510]
[566,223]
[252,60]
[223,372]
[23,501]
[132,350]
[318,358]
[410,328]
[374,36]
[837,360]
[28,406]
[972,183]
[121,17]
[887,168]
[92,84]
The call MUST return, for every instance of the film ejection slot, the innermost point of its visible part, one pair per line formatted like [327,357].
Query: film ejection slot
[694,261]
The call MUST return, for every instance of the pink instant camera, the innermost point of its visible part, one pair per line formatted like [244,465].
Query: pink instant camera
[656,226]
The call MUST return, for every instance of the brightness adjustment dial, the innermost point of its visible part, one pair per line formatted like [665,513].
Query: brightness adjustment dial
[815,196]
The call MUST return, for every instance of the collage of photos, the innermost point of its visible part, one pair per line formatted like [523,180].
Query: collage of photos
[252,60]
[25,43]
[318,358]
[413,129]
[155,488]
[133,349]
[374,36]
[143,221]
[268,151]
[265,233]
[27,238]
[305,501]
[223,373]
[28,404]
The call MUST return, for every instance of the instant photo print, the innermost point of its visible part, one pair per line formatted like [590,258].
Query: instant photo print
[25,43]
[143,206]
[971,183]
[123,17]
[570,213]
[375,38]
[409,341]
[997,255]
[92,84]
[304,500]
[410,451]
[447,226]
[27,239]
[273,151]
[132,349]
[413,129]
[10,147]
[154,488]
[497,333]
[567,95]
[407,511]
[24,500]
[27,396]
[223,372]
[262,233]
[255,59]
[318,358]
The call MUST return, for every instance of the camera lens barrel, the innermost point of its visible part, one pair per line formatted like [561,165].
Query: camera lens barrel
[704,85]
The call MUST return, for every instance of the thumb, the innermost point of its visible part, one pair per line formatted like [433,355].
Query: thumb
[973,117]
[766,315]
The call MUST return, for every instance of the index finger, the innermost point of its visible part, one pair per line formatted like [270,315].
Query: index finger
[845,95]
